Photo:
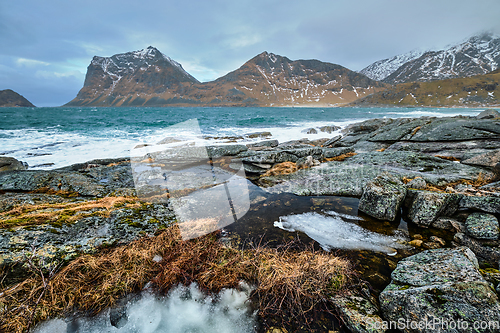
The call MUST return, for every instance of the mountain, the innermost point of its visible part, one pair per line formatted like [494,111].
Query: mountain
[479,90]
[9,98]
[477,55]
[114,80]
[265,80]
[381,69]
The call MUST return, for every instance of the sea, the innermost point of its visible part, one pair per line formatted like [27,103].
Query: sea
[54,137]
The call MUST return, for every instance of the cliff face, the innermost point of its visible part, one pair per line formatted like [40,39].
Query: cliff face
[149,78]
[9,98]
[110,81]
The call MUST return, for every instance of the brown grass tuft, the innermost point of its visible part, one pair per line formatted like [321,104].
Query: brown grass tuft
[288,284]
[449,158]
[65,212]
[284,168]
[342,157]
[416,130]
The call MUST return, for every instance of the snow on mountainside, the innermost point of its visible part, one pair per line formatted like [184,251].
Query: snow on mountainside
[381,69]
[148,78]
[477,55]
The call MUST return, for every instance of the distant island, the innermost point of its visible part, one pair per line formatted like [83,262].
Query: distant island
[463,75]
[9,98]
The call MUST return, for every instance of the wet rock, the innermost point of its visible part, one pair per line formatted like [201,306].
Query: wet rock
[416,242]
[359,314]
[486,251]
[443,285]
[309,131]
[438,240]
[482,226]
[417,183]
[488,204]
[63,240]
[382,198]
[263,144]
[428,206]
[488,114]
[258,135]
[329,129]
[443,223]
[331,141]
[11,164]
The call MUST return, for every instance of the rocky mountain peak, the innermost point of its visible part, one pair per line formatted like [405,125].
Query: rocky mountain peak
[479,54]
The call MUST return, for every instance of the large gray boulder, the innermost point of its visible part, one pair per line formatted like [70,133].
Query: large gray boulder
[382,197]
[488,114]
[427,206]
[11,164]
[482,226]
[442,289]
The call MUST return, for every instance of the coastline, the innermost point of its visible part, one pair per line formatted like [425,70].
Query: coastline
[436,172]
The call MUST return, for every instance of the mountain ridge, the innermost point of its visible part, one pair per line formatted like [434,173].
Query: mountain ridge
[265,80]
[476,55]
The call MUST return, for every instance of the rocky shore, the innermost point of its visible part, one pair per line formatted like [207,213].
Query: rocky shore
[435,173]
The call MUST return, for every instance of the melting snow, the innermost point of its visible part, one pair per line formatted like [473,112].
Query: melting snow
[334,232]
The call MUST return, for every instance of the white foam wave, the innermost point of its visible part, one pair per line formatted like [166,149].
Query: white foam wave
[333,232]
[185,309]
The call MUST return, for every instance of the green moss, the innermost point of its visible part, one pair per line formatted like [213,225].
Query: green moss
[134,224]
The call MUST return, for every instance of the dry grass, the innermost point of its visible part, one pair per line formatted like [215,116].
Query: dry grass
[415,130]
[449,158]
[63,212]
[340,158]
[284,168]
[289,284]
[481,180]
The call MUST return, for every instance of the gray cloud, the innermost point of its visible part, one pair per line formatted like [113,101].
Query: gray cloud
[46,46]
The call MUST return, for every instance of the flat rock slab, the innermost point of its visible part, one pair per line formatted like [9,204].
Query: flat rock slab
[443,287]
[482,226]
[488,204]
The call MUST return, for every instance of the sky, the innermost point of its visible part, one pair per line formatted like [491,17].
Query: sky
[47,45]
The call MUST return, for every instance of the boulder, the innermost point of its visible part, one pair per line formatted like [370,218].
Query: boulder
[359,314]
[382,197]
[488,114]
[427,206]
[457,129]
[417,183]
[309,131]
[488,204]
[332,140]
[329,129]
[11,164]
[485,251]
[437,288]
[482,226]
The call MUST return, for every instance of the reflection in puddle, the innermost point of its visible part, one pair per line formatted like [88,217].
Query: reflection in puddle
[334,231]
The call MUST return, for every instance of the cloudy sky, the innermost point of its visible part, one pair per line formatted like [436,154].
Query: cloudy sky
[47,45]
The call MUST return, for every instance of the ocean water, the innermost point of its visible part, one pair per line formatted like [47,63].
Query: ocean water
[48,138]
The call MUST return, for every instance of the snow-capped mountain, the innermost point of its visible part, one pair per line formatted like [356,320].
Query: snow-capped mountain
[149,78]
[124,74]
[381,69]
[477,55]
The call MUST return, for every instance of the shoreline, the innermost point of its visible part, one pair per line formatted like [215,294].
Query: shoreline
[438,173]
